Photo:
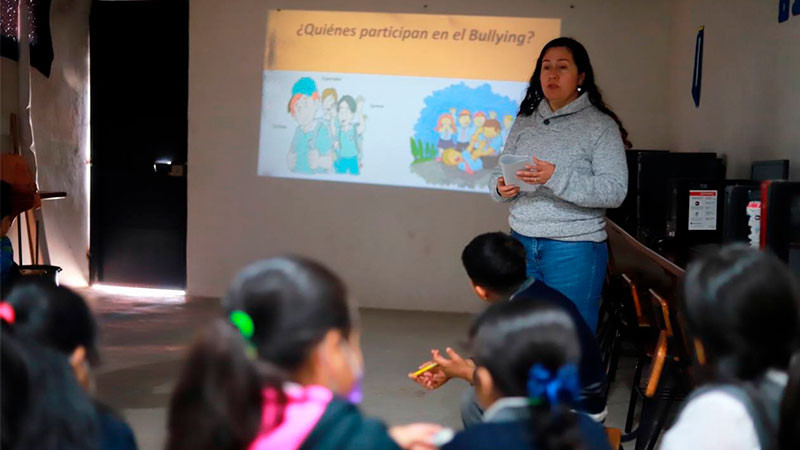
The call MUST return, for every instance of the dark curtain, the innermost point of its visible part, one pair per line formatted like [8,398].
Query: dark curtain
[41,42]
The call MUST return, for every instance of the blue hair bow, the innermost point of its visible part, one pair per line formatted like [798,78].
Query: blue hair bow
[555,388]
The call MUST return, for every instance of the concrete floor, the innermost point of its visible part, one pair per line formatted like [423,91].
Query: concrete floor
[144,340]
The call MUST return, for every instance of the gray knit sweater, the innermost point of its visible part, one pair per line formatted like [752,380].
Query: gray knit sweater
[591,173]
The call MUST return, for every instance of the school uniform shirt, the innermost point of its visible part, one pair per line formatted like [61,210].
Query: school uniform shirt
[590,367]
[315,419]
[506,425]
[115,434]
[723,417]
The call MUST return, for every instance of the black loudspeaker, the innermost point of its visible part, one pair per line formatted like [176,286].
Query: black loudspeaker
[780,221]
[770,170]
[627,214]
[734,217]
[656,173]
[699,208]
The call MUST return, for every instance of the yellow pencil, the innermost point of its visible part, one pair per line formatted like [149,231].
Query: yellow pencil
[425,369]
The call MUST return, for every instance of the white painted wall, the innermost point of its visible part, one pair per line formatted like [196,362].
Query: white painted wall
[750,102]
[395,247]
[59,107]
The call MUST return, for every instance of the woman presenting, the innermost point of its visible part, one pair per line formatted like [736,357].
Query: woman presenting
[578,169]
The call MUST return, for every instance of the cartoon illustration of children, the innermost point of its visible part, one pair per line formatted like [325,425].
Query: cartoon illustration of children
[488,142]
[508,120]
[303,106]
[326,141]
[349,152]
[464,129]
[451,157]
[446,129]
[478,119]
[463,160]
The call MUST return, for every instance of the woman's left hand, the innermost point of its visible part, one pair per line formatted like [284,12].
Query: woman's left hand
[538,173]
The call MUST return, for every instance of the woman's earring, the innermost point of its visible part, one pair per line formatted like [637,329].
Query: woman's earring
[580,88]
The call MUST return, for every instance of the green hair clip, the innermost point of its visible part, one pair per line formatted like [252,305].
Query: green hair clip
[242,321]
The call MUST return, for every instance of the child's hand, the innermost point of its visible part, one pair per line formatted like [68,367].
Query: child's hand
[430,379]
[456,366]
[416,436]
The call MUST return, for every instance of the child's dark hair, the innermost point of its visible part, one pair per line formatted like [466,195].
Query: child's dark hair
[292,302]
[744,306]
[789,425]
[509,339]
[54,316]
[43,407]
[495,261]
[534,95]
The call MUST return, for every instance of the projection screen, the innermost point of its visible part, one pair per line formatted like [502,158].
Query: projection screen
[412,100]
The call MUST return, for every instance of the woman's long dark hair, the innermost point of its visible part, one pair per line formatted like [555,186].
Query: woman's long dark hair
[744,306]
[510,338]
[534,95]
[217,403]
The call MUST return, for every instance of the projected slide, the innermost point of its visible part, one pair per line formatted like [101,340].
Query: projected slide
[397,99]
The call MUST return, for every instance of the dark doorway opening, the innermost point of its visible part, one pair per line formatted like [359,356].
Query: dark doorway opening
[139,63]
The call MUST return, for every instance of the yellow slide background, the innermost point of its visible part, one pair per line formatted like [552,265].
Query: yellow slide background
[421,45]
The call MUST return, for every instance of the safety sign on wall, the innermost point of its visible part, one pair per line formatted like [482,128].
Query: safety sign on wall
[703,210]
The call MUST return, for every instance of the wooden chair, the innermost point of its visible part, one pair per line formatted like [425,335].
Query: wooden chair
[641,319]
[632,334]
[665,383]
[26,200]
[661,313]
[614,438]
[608,334]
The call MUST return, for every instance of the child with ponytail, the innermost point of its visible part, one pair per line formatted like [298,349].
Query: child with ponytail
[59,319]
[526,380]
[43,405]
[281,370]
[743,309]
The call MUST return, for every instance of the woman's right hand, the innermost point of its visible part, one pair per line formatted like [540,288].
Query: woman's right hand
[506,190]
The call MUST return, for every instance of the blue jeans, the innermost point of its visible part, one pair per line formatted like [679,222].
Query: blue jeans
[576,269]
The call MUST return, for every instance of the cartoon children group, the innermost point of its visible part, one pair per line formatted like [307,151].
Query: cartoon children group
[466,142]
[329,142]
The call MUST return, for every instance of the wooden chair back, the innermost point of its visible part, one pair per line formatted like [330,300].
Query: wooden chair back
[636,301]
